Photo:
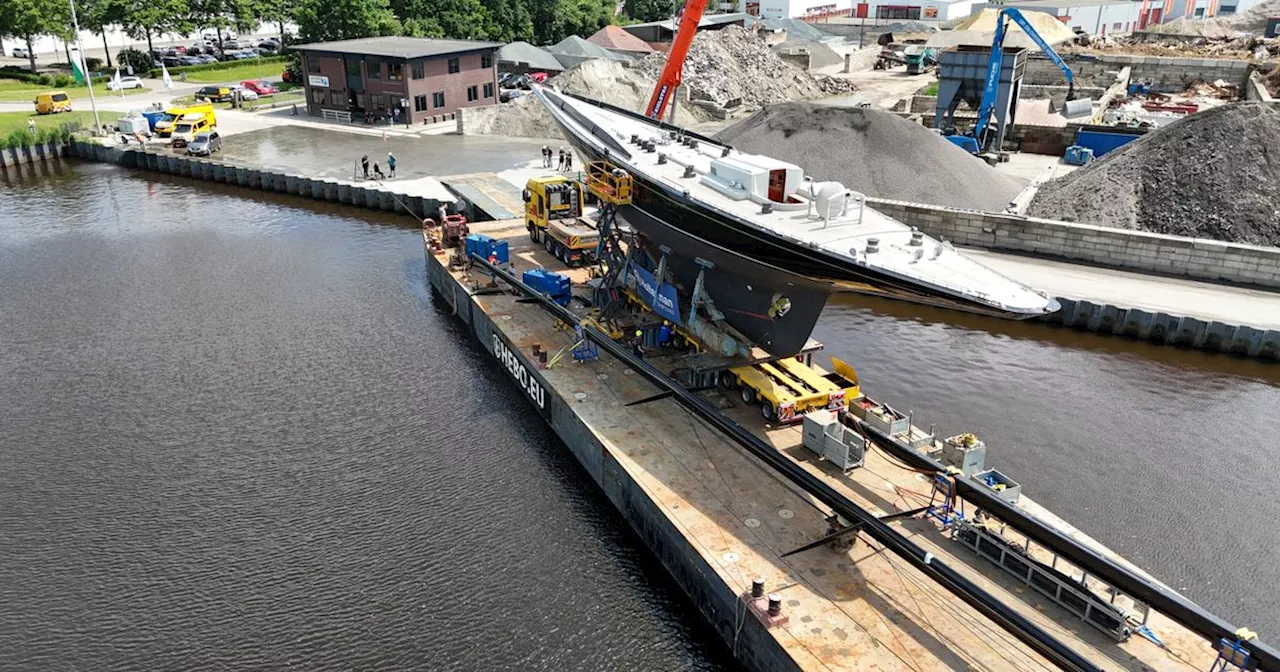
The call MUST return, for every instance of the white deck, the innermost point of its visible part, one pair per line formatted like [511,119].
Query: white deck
[846,234]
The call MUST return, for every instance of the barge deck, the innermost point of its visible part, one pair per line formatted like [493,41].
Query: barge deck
[718,518]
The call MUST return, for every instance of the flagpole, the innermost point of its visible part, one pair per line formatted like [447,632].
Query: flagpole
[93,103]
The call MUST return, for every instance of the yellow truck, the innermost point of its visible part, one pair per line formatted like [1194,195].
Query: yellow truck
[786,389]
[553,215]
[172,115]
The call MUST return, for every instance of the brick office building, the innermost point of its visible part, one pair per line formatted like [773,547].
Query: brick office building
[379,74]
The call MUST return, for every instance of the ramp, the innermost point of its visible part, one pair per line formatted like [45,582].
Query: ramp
[485,196]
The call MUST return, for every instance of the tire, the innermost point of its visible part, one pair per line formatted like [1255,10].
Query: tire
[727,381]
[748,395]
[767,410]
[546,243]
[532,236]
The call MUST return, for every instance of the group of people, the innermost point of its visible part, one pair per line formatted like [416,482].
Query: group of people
[381,116]
[377,171]
[566,159]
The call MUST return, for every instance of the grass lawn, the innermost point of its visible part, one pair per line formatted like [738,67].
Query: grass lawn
[12,90]
[246,70]
[11,121]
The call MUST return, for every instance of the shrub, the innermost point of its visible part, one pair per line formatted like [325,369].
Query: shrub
[19,137]
[60,80]
[44,80]
[141,61]
[94,64]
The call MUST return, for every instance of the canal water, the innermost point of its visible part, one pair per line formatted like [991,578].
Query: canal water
[238,432]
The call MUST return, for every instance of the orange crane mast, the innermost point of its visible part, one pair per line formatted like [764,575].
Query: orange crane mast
[665,92]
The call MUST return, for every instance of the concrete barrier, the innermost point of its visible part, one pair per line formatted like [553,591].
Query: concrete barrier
[242,176]
[290,184]
[330,190]
[184,166]
[344,193]
[370,197]
[317,189]
[1166,329]
[386,201]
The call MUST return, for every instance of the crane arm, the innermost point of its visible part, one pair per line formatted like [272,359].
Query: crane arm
[997,60]
[673,73]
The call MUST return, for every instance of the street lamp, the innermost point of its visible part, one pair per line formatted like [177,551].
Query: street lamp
[84,65]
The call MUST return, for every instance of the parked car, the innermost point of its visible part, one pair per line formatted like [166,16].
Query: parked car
[124,83]
[171,61]
[259,86]
[205,144]
[21,52]
[266,51]
[194,50]
[52,102]
[504,78]
[244,55]
[189,60]
[216,94]
[538,77]
[206,58]
[509,95]
[245,94]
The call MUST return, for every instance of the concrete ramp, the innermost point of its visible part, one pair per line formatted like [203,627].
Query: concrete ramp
[485,196]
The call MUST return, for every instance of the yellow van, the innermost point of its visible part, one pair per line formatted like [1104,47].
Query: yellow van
[189,126]
[173,114]
[53,102]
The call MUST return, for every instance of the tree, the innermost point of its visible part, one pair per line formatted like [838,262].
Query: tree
[274,12]
[512,20]
[325,20]
[144,18]
[96,15]
[28,19]
[649,10]
[221,15]
[456,19]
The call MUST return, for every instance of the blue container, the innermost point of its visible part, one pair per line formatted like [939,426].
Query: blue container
[482,246]
[1139,88]
[1077,155]
[555,285]
[152,116]
[1104,141]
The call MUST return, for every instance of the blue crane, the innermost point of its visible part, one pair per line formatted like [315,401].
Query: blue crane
[976,140]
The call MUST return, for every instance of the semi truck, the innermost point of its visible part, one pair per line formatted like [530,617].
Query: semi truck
[554,216]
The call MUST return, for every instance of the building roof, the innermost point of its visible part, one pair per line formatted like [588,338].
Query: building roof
[614,37]
[398,47]
[707,20]
[577,47]
[526,54]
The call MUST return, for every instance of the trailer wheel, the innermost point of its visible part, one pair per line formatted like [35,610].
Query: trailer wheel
[546,243]
[727,380]
[767,410]
[748,395]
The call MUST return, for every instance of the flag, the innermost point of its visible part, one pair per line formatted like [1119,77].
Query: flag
[115,79]
[168,81]
[78,69]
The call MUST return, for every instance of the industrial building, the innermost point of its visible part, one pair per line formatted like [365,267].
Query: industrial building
[1095,17]
[380,75]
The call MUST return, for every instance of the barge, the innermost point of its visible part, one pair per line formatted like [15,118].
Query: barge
[719,521]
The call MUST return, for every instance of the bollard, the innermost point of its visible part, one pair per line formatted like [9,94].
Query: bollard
[775,604]
[757,587]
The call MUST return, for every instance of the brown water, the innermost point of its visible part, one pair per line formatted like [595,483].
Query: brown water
[239,433]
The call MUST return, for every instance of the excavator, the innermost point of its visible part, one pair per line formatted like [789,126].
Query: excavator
[664,93]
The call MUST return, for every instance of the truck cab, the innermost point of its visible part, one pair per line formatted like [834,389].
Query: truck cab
[553,215]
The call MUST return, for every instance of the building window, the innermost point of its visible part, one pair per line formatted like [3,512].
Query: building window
[1115,26]
[378,101]
[437,100]
[313,64]
[454,66]
[317,95]
[488,90]
[395,71]
[336,98]
[472,94]
[897,12]
[353,67]
[420,103]
[375,68]
[486,60]
[417,70]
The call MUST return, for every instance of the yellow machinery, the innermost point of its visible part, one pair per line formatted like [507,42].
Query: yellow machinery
[553,215]
[788,388]
[609,183]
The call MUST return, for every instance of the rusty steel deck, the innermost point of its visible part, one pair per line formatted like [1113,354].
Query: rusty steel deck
[859,610]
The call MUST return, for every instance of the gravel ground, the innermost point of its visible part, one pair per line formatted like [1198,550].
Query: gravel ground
[1211,175]
[874,152]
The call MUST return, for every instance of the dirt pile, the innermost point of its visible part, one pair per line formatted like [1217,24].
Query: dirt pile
[1237,46]
[730,69]
[1209,175]
[1251,22]
[874,152]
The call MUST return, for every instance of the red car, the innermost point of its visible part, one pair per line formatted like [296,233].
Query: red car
[538,77]
[258,86]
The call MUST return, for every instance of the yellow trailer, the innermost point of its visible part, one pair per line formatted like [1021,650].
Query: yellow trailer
[553,215]
[786,389]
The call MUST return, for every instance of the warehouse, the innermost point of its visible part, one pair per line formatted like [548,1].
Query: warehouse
[1095,17]
[406,78]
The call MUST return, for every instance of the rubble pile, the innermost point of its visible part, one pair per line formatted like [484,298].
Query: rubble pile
[1235,47]
[1209,175]
[730,69]
[1251,22]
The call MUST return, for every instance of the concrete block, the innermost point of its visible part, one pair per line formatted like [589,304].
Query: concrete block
[1161,328]
[1065,307]
[1079,317]
[219,172]
[1104,319]
[386,201]
[317,188]
[1134,323]
[255,178]
[344,193]
[370,198]
[1217,336]
[242,176]
[1245,341]
[331,190]
[291,184]
[1188,332]
[1269,347]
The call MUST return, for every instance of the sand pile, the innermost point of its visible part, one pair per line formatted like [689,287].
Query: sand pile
[1210,175]
[874,152]
[731,68]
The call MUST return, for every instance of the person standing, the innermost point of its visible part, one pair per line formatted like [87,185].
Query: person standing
[560,162]
[568,162]
[391,164]
[546,156]
[31,126]
[364,163]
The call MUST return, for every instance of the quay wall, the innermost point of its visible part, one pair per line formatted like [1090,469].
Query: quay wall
[753,645]
[374,197]
[17,156]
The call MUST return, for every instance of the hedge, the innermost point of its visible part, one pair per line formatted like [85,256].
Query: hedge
[59,80]
[220,65]
[21,137]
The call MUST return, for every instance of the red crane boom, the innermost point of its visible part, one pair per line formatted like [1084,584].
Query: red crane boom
[665,91]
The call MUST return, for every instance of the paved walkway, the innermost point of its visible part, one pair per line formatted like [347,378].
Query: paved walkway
[1188,298]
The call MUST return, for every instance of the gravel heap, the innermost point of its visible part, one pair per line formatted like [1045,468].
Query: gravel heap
[874,152]
[728,67]
[1210,175]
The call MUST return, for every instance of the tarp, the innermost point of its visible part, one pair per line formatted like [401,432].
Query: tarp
[526,54]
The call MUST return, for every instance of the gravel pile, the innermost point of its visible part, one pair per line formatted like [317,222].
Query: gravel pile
[730,68]
[1211,175]
[874,152]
